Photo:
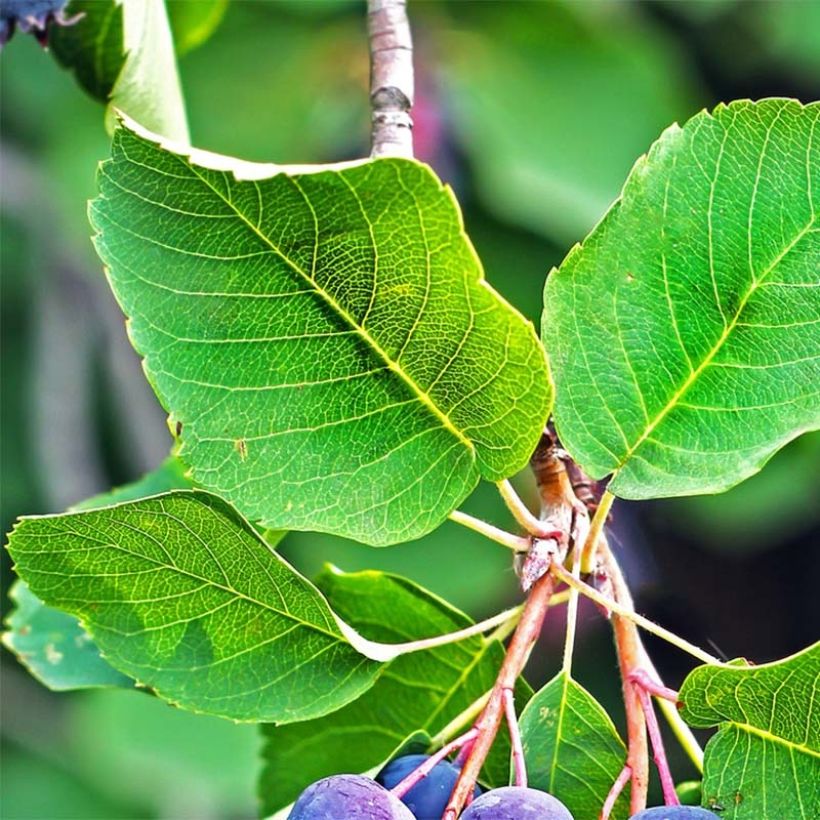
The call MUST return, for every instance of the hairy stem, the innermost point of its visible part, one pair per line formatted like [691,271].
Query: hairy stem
[572,615]
[670,797]
[520,511]
[391,78]
[529,627]
[630,654]
[507,539]
[596,528]
[628,613]
[615,792]
[519,766]
[682,732]
[402,787]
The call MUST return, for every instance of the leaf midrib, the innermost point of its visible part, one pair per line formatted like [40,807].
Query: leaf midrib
[210,582]
[710,356]
[423,397]
[773,738]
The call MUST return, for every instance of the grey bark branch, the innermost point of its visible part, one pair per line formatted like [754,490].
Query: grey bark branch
[391,78]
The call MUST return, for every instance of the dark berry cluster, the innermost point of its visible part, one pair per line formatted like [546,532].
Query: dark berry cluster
[32,16]
[355,797]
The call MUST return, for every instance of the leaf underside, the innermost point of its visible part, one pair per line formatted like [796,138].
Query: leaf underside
[683,333]
[571,748]
[326,338]
[51,643]
[181,594]
[54,647]
[423,691]
[764,760]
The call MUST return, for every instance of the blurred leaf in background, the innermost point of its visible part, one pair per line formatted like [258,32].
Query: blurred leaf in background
[554,102]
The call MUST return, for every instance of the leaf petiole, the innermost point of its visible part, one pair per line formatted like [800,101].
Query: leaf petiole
[517,543]
[385,652]
[696,652]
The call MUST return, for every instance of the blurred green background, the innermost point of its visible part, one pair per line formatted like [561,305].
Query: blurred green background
[534,112]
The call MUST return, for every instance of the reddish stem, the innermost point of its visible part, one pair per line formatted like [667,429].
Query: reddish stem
[630,653]
[642,678]
[670,796]
[519,765]
[486,727]
[615,792]
[402,787]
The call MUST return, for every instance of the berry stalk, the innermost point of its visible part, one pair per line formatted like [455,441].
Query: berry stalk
[527,632]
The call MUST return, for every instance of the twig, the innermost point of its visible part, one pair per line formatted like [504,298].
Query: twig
[403,786]
[519,766]
[529,627]
[507,539]
[615,792]
[682,732]
[670,797]
[642,678]
[630,654]
[572,613]
[595,530]
[630,614]
[521,512]
[391,78]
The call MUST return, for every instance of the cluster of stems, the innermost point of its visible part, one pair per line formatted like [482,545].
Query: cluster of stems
[562,529]
[563,533]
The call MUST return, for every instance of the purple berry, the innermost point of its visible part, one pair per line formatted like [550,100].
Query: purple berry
[516,803]
[674,813]
[348,797]
[32,16]
[428,798]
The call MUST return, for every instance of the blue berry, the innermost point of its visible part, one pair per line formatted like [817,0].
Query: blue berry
[30,15]
[348,797]
[675,813]
[516,803]
[428,798]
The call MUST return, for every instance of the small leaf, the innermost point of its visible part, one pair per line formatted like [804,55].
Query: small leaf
[51,643]
[54,647]
[683,332]
[419,692]
[325,336]
[764,760]
[180,593]
[193,23]
[571,747]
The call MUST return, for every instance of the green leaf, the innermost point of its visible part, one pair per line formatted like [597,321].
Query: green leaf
[54,647]
[325,337]
[419,692]
[764,760]
[52,644]
[170,475]
[180,593]
[683,332]
[93,47]
[122,53]
[553,106]
[571,747]
[193,23]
